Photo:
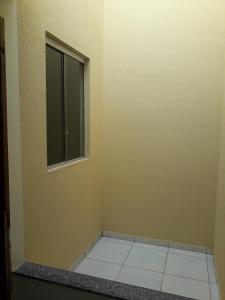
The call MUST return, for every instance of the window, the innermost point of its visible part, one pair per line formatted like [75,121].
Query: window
[65,106]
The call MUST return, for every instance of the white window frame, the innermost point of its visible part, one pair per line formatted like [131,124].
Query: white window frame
[66,49]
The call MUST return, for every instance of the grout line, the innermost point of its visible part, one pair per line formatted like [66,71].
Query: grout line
[142,247]
[142,269]
[164,272]
[174,275]
[132,267]
[180,276]
[164,269]
[187,254]
[149,248]
[101,260]
[154,250]
[188,249]
[137,268]
[157,242]
[116,279]
[124,261]
[128,253]
[158,250]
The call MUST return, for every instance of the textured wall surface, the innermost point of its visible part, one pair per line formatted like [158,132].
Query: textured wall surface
[160,114]
[220,214]
[163,77]
[63,209]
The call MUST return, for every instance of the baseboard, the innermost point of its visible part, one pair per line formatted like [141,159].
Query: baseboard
[84,253]
[138,239]
[76,262]
[92,244]
[165,243]
[116,235]
[218,282]
[18,266]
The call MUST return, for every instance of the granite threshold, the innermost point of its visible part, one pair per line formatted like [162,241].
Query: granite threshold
[92,284]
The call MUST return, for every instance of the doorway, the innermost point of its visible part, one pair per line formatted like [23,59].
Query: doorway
[5,263]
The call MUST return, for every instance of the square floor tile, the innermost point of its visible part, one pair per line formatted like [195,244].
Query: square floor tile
[124,242]
[98,269]
[151,247]
[142,278]
[109,251]
[186,252]
[146,259]
[214,292]
[187,266]
[186,287]
[211,270]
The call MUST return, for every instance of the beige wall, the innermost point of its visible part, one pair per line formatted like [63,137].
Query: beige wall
[163,75]
[8,11]
[161,119]
[220,214]
[63,209]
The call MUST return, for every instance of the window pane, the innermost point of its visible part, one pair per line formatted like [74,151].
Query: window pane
[55,120]
[74,107]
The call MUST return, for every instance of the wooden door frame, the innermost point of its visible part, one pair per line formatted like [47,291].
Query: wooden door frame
[5,261]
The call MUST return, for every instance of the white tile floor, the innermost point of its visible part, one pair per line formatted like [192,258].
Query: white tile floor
[185,273]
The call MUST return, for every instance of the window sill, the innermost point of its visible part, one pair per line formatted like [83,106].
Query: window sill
[66,164]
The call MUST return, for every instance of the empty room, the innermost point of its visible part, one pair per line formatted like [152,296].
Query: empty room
[113,149]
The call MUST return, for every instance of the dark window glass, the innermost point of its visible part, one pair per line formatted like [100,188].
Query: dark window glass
[55,130]
[65,107]
[74,94]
